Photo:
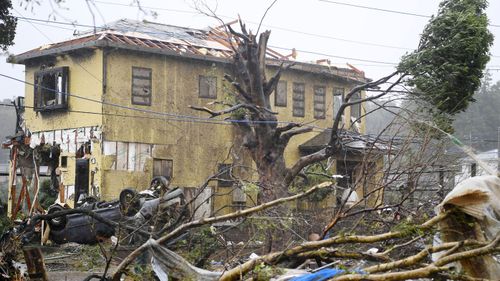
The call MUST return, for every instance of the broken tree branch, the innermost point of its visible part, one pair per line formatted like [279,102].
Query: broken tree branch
[210,220]
[256,109]
[285,137]
[272,258]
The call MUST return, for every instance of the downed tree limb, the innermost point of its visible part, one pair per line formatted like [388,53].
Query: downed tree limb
[426,271]
[414,259]
[203,221]
[235,273]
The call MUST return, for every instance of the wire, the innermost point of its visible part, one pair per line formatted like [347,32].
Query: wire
[47,22]
[335,56]
[317,128]
[385,10]
[270,26]
[172,116]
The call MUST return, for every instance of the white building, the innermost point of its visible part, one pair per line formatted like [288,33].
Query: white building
[470,168]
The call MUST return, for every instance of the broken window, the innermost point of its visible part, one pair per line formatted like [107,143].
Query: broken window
[51,89]
[356,108]
[224,178]
[129,156]
[319,102]
[298,99]
[208,87]
[141,85]
[163,167]
[338,97]
[280,94]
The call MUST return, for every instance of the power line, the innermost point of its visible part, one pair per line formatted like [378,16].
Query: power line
[335,56]
[174,116]
[269,26]
[152,33]
[364,43]
[384,10]
[46,22]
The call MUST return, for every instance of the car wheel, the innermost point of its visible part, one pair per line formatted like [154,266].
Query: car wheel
[59,222]
[129,202]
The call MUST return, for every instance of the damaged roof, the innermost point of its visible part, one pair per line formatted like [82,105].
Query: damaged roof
[144,36]
[351,142]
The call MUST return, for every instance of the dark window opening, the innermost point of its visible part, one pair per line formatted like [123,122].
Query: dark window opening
[298,99]
[319,102]
[163,167]
[141,85]
[473,169]
[207,87]
[64,161]
[51,89]
[224,176]
[280,95]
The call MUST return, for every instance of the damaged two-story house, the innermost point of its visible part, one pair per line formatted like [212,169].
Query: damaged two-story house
[117,103]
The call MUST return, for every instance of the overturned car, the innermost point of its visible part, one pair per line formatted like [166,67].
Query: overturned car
[153,211]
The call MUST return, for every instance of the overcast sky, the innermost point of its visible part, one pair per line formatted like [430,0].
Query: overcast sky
[368,39]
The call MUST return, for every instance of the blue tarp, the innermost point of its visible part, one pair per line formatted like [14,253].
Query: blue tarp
[321,275]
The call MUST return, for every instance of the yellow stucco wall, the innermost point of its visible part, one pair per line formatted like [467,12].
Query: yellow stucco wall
[286,113]
[85,76]
[85,80]
[196,148]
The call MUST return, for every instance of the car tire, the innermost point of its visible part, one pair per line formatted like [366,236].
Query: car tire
[57,223]
[129,202]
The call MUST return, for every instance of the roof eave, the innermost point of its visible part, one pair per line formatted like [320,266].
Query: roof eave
[22,58]
[298,66]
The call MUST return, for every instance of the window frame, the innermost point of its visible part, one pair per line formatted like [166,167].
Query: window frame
[319,113]
[224,175]
[296,99]
[356,97]
[284,86]
[338,92]
[149,96]
[207,78]
[171,161]
[40,90]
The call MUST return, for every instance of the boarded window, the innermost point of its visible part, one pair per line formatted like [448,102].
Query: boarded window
[298,99]
[338,97]
[163,167]
[355,108]
[280,94]
[208,87]
[319,102]
[225,178]
[239,196]
[51,89]
[141,85]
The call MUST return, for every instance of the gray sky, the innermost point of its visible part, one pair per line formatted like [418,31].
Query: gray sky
[307,25]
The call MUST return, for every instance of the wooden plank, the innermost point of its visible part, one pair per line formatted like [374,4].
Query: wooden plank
[35,264]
